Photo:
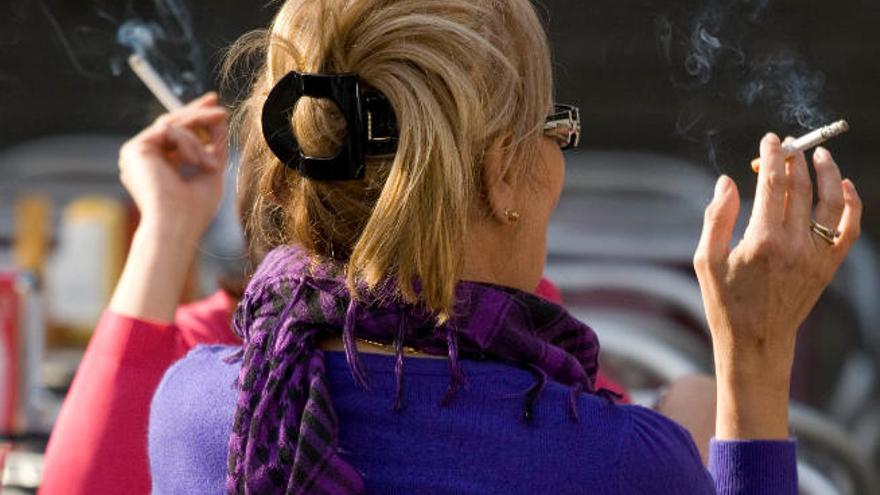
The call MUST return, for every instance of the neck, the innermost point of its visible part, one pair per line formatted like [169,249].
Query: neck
[491,256]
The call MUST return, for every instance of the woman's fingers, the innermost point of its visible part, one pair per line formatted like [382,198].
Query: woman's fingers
[220,139]
[195,111]
[831,201]
[196,118]
[202,117]
[195,134]
[850,225]
[206,100]
[207,120]
[800,194]
[718,224]
[210,125]
[769,209]
[189,147]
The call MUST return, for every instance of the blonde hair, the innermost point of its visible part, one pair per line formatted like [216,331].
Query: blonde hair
[458,73]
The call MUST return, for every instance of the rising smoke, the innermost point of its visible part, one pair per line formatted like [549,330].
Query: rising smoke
[715,56]
[784,80]
[97,40]
[158,40]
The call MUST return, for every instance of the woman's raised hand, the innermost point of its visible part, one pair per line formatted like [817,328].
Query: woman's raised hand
[150,166]
[758,293]
[176,209]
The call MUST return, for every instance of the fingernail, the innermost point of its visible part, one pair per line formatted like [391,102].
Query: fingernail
[822,153]
[773,138]
[721,185]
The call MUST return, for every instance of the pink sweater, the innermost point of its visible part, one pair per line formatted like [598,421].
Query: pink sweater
[99,444]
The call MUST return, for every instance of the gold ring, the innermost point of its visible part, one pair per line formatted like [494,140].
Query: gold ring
[830,235]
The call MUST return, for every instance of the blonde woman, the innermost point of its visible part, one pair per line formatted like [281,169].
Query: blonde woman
[407,156]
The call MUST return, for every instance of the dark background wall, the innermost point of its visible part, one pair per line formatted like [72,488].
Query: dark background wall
[661,76]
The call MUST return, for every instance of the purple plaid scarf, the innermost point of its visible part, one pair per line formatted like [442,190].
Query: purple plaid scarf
[285,432]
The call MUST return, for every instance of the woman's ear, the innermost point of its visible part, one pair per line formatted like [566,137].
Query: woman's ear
[499,180]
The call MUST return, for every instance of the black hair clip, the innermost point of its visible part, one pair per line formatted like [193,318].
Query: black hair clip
[372,127]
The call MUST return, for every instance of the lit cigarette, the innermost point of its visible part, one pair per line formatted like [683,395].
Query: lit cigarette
[154,82]
[809,140]
[147,73]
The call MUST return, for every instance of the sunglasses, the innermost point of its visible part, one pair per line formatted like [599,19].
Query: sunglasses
[564,125]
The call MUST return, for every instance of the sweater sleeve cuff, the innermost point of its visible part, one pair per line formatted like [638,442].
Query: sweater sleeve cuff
[754,466]
[134,341]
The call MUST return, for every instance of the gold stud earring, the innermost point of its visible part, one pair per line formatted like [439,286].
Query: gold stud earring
[512,215]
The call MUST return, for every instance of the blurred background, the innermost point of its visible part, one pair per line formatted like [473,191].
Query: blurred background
[671,93]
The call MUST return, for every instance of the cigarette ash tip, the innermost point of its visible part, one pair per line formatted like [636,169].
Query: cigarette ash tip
[833,130]
[838,127]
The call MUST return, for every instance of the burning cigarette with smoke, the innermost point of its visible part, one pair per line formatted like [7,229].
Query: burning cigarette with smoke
[809,140]
[151,78]
[145,71]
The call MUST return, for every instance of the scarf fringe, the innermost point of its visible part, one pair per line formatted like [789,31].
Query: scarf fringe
[457,380]
[402,330]
[235,356]
[572,402]
[534,393]
[609,395]
[350,344]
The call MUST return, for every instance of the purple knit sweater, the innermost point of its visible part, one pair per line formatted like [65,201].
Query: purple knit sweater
[476,444]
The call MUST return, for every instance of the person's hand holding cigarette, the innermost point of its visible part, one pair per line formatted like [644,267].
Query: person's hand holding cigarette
[150,165]
[175,209]
[758,293]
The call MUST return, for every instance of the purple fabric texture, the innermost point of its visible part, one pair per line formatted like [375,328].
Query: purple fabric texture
[750,456]
[285,430]
[474,446]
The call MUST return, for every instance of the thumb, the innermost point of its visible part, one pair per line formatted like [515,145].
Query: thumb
[718,223]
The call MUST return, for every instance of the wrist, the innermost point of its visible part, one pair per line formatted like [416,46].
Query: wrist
[753,402]
[746,415]
[170,228]
[156,270]
[758,365]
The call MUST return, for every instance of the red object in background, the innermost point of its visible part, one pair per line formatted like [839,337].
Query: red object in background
[5,449]
[10,363]
[549,291]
